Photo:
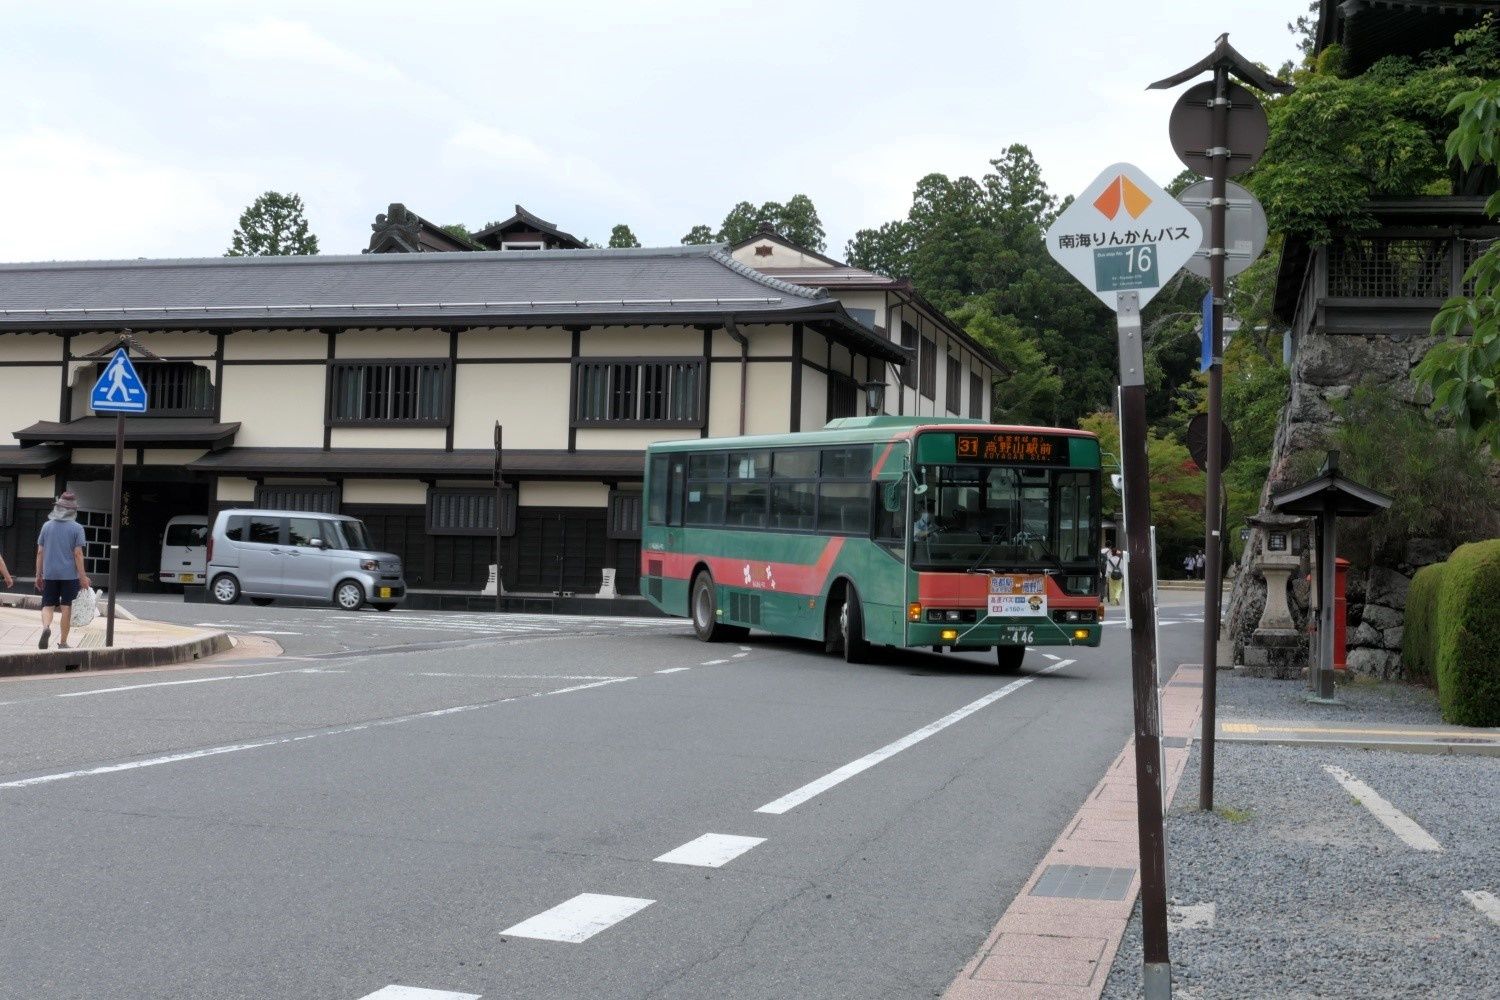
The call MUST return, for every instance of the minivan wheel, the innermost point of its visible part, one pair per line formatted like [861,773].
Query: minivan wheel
[225,590]
[349,595]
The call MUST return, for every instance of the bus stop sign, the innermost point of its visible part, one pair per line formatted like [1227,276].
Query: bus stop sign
[1124,233]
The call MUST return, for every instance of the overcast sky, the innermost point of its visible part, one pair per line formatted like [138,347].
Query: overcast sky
[143,129]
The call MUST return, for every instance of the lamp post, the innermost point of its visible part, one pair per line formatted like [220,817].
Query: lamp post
[874,397]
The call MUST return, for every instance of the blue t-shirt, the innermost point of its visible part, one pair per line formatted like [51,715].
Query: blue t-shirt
[58,539]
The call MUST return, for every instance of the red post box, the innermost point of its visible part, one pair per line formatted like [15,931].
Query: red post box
[1340,613]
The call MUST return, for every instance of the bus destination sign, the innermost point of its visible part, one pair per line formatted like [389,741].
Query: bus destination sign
[1013,446]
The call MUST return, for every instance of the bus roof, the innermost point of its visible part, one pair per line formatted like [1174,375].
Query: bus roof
[858,430]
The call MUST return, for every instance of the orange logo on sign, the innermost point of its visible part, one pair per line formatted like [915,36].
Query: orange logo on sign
[1122,191]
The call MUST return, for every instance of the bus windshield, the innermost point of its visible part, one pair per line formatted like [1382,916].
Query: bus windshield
[975,516]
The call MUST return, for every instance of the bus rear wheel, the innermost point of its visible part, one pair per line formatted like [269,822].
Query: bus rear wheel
[1008,658]
[852,629]
[703,607]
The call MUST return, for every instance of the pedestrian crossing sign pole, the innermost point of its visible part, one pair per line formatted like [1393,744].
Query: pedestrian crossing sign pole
[118,391]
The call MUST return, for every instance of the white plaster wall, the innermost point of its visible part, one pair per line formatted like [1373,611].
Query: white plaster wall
[28,395]
[31,347]
[770,398]
[36,487]
[386,343]
[724,399]
[542,494]
[384,491]
[505,342]
[531,401]
[234,490]
[386,437]
[841,360]
[626,342]
[780,256]
[606,438]
[275,404]
[769,340]
[172,456]
[187,343]
[270,345]
[98,456]
[814,399]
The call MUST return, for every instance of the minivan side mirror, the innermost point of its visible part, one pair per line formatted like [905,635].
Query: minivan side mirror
[317,543]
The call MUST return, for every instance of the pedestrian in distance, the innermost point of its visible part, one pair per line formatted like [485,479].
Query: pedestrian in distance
[59,567]
[1200,563]
[10,581]
[1188,562]
[1114,572]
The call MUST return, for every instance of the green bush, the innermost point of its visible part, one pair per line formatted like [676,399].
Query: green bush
[1467,665]
[1419,641]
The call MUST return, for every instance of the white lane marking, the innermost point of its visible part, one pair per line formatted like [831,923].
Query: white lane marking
[173,758]
[817,786]
[1395,820]
[195,680]
[712,850]
[739,655]
[744,649]
[1484,902]
[417,993]
[1052,656]
[579,919]
[712,663]
[522,677]
[674,670]
[261,631]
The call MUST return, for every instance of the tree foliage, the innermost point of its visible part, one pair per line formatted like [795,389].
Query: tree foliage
[272,226]
[796,220]
[1339,140]
[1029,389]
[621,236]
[1463,372]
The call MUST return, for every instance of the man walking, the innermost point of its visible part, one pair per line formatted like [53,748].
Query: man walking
[59,566]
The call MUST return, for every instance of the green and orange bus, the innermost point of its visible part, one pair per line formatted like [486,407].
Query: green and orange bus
[881,531]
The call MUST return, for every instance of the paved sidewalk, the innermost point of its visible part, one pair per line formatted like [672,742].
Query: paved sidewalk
[138,643]
[1058,938]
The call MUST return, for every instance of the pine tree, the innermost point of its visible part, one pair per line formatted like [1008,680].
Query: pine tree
[621,236]
[272,226]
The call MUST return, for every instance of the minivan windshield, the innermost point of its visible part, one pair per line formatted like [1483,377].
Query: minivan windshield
[355,535]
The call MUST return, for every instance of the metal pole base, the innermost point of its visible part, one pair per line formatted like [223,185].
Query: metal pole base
[1157,979]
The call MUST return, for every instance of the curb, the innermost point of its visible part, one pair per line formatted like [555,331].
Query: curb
[57,661]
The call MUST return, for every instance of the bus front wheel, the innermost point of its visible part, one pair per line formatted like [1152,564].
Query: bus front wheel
[704,608]
[1008,658]
[852,629]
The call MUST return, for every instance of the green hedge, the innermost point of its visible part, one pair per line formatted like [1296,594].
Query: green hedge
[1466,630]
[1419,641]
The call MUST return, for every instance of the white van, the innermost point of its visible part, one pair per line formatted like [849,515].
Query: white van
[184,550]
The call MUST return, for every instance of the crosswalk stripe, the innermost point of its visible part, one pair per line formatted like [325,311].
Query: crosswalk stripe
[578,919]
[417,993]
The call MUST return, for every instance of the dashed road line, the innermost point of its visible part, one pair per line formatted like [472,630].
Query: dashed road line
[1483,901]
[520,677]
[818,786]
[195,680]
[578,919]
[712,663]
[417,993]
[740,655]
[1052,656]
[674,670]
[712,850]
[173,758]
[1402,825]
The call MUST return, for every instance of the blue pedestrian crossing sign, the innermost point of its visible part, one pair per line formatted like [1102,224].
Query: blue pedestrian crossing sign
[119,389]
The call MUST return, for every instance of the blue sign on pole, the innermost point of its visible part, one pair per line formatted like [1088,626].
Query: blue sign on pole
[1207,359]
[119,389]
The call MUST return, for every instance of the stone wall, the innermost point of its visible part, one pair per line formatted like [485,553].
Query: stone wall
[1325,370]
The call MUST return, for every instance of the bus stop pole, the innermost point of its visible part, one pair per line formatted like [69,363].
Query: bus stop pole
[1157,969]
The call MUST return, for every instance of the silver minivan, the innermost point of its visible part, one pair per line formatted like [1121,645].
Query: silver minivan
[266,554]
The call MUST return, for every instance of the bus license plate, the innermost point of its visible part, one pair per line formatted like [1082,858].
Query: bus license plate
[385,591]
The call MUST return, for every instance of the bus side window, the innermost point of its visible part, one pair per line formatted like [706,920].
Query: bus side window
[674,490]
[656,511]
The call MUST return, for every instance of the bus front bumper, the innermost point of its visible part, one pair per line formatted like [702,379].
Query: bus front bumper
[1004,632]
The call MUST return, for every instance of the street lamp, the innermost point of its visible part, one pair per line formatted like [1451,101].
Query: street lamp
[874,397]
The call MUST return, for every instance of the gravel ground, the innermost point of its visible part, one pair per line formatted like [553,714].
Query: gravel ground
[1365,700]
[1313,896]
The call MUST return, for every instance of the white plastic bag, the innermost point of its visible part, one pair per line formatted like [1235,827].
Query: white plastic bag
[85,607]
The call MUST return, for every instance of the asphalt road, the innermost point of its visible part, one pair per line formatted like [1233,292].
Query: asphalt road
[406,805]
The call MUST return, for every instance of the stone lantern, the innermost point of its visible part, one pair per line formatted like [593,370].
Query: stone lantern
[1276,648]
